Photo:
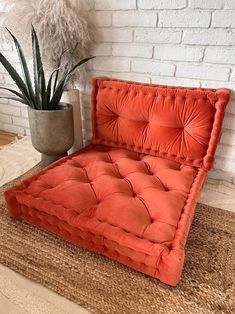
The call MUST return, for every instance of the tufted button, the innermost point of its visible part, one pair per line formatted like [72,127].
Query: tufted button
[145,122]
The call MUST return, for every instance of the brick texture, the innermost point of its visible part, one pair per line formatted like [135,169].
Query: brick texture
[115,5]
[134,19]
[223,19]
[161,4]
[173,42]
[178,53]
[184,19]
[206,4]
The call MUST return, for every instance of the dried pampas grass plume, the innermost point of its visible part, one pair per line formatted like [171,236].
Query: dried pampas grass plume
[60,24]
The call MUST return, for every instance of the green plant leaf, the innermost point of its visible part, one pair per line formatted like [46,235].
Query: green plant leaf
[16,78]
[16,99]
[48,89]
[69,68]
[80,63]
[57,88]
[57,74]
[36,72]
[43,95]
[59,91]
[39,77]
[24,67]
[13,91]
[57,94]
[69,64]
[66,76]
[64,81]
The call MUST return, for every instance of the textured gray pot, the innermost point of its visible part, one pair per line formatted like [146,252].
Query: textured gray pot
[52,132]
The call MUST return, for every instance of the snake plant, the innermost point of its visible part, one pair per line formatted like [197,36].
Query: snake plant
[39,96]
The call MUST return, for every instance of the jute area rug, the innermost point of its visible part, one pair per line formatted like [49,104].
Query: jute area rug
[105,286]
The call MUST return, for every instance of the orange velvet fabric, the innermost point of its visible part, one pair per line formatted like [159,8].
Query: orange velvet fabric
[170,122]
[114,197]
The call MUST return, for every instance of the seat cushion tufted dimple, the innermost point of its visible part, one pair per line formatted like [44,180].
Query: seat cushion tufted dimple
[133,205]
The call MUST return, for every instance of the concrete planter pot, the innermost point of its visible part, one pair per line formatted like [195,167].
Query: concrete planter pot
[52,132]
[72,97]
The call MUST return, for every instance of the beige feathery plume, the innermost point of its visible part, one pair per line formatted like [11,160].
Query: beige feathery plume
[60,24]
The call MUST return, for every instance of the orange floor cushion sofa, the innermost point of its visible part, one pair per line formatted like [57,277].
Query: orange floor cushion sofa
[131,194]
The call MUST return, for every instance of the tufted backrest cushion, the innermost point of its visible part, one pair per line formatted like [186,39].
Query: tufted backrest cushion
[176,123]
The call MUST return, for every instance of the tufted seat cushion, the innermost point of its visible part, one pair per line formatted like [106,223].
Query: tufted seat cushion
[124,203]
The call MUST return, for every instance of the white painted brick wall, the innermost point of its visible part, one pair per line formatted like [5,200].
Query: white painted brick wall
[206,4]
[159,36]
[133,19]
[226,151]
[112,64]
[184,19]
[152,67]
[223,18]
[127,50]
[5,118]
[19,121]
[178,53]
[206,37]
[220,55]
[115,5]
[227,137]
[229,122]
[229,4]
[174,42]
[231,107]
[102,50]
[161,4]
[205,72]
[114,35]
[9,110]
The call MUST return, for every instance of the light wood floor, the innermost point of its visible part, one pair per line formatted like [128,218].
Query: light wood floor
[7,137]
[19,295]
